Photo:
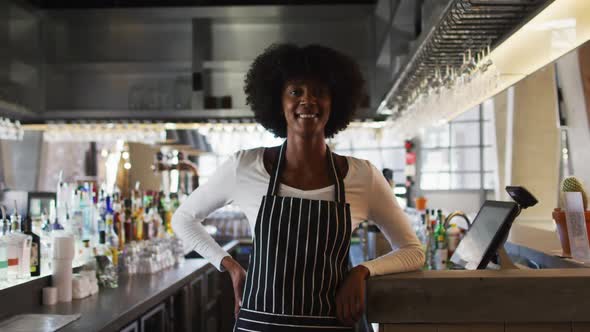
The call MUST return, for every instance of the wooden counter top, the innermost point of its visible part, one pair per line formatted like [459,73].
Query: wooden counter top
[462,296]
[112,309]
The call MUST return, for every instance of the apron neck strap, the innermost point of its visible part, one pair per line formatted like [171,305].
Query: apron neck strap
[273,185]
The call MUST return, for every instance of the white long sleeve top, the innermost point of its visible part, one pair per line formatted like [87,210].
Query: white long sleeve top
[242,181]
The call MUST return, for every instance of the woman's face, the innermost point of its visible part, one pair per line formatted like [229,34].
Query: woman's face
[306,105]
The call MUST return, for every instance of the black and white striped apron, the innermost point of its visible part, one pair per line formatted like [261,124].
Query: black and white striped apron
[299,258]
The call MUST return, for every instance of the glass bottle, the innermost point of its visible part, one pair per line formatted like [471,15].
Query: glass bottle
[3,259]
[3,247]
[112,240]
[106,269]
[119,224]
[46,245]
[18,249]
[35,260]
[442,251]
[148,224]
[129,235]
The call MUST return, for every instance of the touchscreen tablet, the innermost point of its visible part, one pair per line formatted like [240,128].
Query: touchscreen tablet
[488,230]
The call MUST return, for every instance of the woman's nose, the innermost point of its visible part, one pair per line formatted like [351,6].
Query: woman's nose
[309,96]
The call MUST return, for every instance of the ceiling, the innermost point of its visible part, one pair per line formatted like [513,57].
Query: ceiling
[92,4]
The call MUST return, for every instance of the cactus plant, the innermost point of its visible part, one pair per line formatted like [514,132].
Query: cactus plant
[573,184]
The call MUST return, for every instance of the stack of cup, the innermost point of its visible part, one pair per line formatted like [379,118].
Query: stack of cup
[92,281]
[49,295]
[63,255]
[80,286]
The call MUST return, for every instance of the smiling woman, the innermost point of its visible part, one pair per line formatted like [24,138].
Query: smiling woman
[302,73]
[302,201]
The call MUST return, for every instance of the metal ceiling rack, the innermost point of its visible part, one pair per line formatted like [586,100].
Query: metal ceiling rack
[464,25]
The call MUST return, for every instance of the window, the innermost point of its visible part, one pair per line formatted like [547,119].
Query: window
[379,146]
[225,141]
[460,154]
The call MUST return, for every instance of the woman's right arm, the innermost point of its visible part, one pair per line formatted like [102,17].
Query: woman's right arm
[188,218]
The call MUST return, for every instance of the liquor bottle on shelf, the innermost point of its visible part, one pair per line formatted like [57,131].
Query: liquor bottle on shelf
[111,239]
[85,209]
[46,243]
[442,251]
[119,223]
[158,222]
[147,225]
[3,249]
[128,217]
[137,216]
[35,261]
[57,226]
[105,263]
[77,218]
[18,249]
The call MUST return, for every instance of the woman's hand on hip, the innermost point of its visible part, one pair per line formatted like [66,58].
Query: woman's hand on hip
[350,298]
[238,279]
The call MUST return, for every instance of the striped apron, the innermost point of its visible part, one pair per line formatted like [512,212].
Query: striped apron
[299,258]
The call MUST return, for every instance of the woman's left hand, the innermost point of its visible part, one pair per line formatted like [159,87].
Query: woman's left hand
[350,298]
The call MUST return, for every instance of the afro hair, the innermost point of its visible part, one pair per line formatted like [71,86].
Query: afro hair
[281,63]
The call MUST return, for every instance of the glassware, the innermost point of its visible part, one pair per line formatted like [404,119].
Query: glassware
[3,261]
[11,130]
[18,249]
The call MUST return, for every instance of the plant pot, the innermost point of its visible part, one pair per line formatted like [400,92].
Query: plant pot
[559,218]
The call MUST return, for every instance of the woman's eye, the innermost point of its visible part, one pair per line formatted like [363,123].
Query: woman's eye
[295,92]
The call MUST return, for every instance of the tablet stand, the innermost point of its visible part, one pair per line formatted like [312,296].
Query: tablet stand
[523,199]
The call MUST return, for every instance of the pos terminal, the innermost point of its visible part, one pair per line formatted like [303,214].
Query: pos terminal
[489,231]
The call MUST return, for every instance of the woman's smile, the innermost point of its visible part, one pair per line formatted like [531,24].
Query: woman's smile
[306,104]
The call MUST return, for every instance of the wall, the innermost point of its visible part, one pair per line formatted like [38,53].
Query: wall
[570,81]
[21,162]
[502,151]
[535,142]
[69,158]
[141,157]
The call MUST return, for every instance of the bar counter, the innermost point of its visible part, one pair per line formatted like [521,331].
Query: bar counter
[121,308]
[113,308]
[490,300]
[553,298]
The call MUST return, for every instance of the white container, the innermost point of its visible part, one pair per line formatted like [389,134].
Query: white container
[63,255]
[62,279]
[49,295]
[80,286]
[63,246]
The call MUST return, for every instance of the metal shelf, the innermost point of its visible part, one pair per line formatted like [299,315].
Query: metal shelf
[15,111]
[463,25]
[126,67]
[197,115]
